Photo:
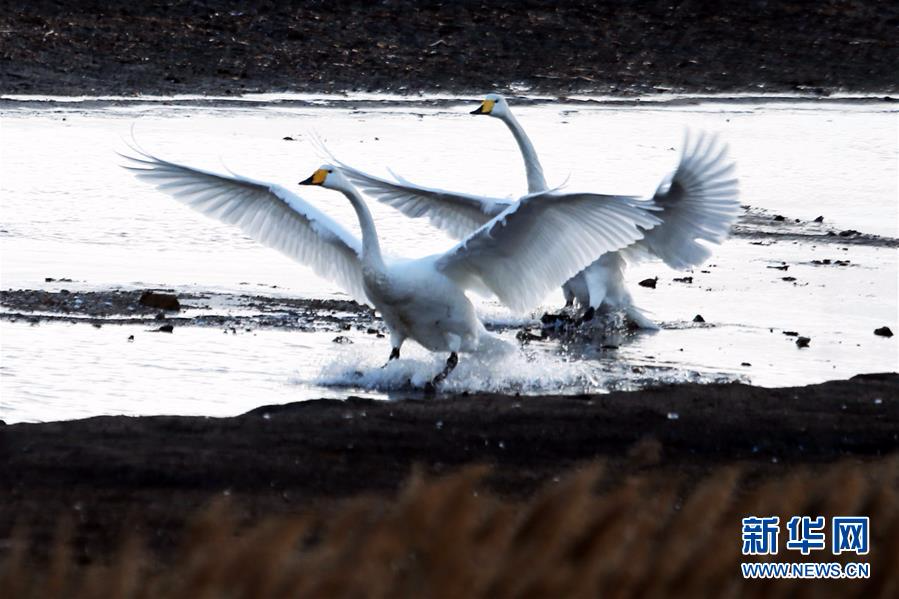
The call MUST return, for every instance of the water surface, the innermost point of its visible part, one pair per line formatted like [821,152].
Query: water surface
[68,210]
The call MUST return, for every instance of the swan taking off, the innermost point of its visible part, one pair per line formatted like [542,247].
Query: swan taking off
[518,255]
[697,202]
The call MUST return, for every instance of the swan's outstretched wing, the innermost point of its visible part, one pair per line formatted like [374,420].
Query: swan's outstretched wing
[699,201]
[268,213]
[458,214]
[540,242]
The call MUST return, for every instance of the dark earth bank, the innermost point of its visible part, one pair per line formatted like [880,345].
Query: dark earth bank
[219,47]
[111,474]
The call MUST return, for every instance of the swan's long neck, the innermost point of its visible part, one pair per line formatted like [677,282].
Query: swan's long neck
[371,247]
[532,167]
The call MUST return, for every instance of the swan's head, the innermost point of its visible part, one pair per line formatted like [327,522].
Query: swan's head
[493,105]
[328,176]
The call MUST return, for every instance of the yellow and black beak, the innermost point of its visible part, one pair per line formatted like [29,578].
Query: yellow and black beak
[317,178]
[485,108]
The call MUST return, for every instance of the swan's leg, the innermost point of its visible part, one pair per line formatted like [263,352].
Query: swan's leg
[594,277]
[451,363]
[454,344]
[396,342]
[568,292]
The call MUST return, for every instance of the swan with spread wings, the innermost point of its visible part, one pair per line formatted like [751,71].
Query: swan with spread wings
[518,255]
[697,203]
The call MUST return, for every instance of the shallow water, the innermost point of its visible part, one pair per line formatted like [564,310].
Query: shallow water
[69,211]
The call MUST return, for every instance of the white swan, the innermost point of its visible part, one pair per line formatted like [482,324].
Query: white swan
[518,255]
[698,201]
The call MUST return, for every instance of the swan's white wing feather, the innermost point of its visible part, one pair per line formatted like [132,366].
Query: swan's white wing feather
[458,214]
[543,240]
[699,202]
[268,213]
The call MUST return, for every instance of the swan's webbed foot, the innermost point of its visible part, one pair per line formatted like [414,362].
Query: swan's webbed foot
[394,355]
[451,363]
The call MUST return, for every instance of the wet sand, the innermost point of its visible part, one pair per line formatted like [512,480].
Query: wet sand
[575,46]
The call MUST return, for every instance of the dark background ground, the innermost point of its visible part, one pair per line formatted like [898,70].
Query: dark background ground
[214,46]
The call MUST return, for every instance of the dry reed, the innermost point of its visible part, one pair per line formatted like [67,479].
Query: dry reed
[651,535]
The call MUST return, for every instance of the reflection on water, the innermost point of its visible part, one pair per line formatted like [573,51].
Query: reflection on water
[69,211]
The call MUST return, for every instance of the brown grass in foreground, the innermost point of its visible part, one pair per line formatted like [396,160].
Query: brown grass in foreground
[648,536]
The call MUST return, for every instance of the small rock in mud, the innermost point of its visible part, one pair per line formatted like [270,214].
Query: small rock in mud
[802,342]
[819,219]
[683,279]
[778,218]
[130,338]
[372,331]
[883,332]
[343,339]
[745,364]
[651,283]
[163,301]
[166,328]
[698,318]
[791,333]
[828,262]
[788,279]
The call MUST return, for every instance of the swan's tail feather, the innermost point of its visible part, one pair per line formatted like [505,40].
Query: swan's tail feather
[699,203]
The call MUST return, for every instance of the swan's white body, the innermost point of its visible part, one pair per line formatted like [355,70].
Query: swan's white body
[698,201]
[517,255]
[419,302]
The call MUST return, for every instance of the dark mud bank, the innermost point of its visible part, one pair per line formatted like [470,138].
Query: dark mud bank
[331,447]
[220,47]
[106,473]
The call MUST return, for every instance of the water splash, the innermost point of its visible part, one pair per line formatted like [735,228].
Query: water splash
[523,371]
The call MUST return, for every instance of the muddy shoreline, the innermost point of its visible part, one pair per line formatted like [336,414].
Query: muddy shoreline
[111,474]
[575,46]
